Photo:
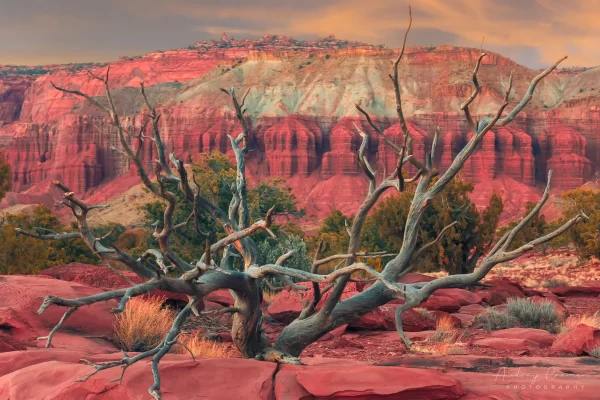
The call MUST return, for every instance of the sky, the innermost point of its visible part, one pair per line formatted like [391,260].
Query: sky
[534,33]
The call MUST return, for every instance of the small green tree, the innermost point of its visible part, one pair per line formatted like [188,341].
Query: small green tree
[535,228]
[270,250]
[5,181]
[586,237]
[332,233]
[26,255]
[215,174]
[460,247]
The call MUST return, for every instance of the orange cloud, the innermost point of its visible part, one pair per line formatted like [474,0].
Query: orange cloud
[533,32]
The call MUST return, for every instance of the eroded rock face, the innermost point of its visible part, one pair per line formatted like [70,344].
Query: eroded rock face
[580,340]
[292,147]
[507,343]
[12,95]
[21,297]
[541,337]
[503,152]
[564,151]
[51,374]
[344,142]
[388,158]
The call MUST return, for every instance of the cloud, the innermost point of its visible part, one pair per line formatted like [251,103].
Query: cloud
[534,32]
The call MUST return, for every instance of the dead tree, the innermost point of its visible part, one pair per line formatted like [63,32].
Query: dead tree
[302,332]
[196,280]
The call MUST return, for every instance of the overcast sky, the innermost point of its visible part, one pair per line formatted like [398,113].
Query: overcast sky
[532,32]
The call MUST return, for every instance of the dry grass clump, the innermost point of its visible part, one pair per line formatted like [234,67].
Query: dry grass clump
[522,313]
[571,322]
[493,320]
[444,331]
[595,352]
[201,347]
[424,313]
[143,324]
[444,341]
[533,315]
[554,283]
[439,349]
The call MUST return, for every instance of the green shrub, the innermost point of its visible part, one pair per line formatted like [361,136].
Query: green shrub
[493,320]
[533,315]
[553,283]
[595,352]
[522,313]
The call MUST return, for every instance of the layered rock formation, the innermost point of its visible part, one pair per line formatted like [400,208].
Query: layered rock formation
[421,144]
[304,124]
[293,147]
[12,95]
[503,152]
[563,150]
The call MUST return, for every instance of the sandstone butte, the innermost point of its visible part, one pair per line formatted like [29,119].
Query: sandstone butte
[301,109]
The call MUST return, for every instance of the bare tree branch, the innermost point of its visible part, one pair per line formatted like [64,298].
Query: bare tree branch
[529,94]
[65,316]
[476,89]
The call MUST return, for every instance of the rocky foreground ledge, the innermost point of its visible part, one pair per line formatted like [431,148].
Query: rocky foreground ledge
[52,374]
[516,363]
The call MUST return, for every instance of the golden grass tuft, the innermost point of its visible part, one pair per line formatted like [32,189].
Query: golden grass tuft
[571,322]
[445,332]
[201,347]
[424,313]
[439,349]
[445,323]
[143,324]
[444,341]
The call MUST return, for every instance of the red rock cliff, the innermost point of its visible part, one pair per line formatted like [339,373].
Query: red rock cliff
[301,109]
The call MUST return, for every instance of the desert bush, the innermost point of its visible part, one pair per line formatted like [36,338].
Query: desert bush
[553,283]
[532,315]
[270,250]
[26,255]
[201,348]
[215,174]
[5,181]
[424,313]
[384,228]
[585,238]
[444,341]
[522,313]
[493,320]
[445,332]
[143,324]
[595,352]
[572,321]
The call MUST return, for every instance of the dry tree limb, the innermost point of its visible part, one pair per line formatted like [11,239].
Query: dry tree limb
[335,313]
[155,117]
[65,316]
[156,353]
[529,94]
[476,89]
